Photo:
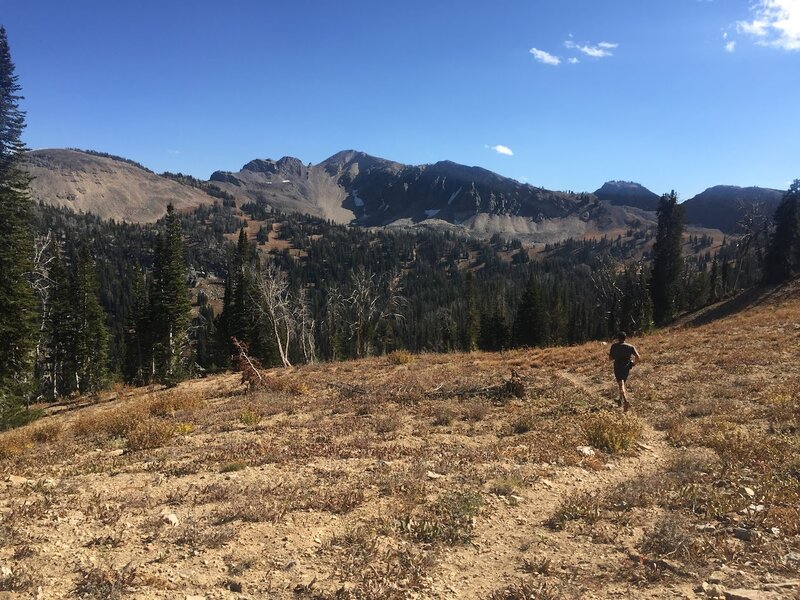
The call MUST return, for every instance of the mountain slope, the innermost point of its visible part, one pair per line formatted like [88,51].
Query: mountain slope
[723,206]
[628,193]
[370,191]
[108,187]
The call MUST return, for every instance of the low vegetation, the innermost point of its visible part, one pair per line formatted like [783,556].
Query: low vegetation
[369,479]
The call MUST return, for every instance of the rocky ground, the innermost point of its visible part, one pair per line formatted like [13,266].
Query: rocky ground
[496,476]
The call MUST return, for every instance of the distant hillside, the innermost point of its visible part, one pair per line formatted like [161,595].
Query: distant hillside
[355,187]
[628,193]
[107,186]
[723,206]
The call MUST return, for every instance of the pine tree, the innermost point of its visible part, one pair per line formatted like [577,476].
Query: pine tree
[170,310]
[91,333]
[17,301]
[471,326]
[531,321]
[783,254]
[667,259]
[138,345]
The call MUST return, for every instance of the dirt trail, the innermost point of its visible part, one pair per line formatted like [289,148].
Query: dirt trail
[499,544]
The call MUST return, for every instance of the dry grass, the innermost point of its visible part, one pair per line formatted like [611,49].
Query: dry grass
[425,476]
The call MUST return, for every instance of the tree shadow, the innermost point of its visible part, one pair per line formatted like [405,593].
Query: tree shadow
[748,299]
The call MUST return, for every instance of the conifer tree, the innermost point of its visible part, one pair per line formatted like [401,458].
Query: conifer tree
[138,345]
[783,254]
[91,334]
[17,301]
[170,309]
[667,259]
[531,321]
[472,323]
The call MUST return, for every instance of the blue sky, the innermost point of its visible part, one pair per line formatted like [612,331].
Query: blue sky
[679,94]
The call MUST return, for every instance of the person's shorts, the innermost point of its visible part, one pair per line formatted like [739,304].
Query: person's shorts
[621,372]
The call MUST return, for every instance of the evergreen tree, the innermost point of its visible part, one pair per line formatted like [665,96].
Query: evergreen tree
[91,334]
[531,321]
[138,346]
[471,326]
[783,254]
[667,259]
[17,301]
[170,310]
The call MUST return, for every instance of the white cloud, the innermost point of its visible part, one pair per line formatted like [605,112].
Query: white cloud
[776,23]
[545,57]
[730,46]
[504,150]
[601,50]
[573,61]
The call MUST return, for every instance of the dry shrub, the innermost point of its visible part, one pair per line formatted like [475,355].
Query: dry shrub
[16,580]
[506,486]
[475,410]
[527,589]
[105,582]
[233,467]
[523,424]
[449,520]
[336,501]
[611,432]
[105,424]
[198,538]
[14,443]
[442,415]
[783,412]
[643,492]
[250,417]
[671,536]
[585,507]
[400,357]
[47,432]
[251,507]
[150,433]
[170,402]
[387,422]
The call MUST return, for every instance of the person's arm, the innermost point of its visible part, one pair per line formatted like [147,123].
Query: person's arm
[636,355]
[611,352]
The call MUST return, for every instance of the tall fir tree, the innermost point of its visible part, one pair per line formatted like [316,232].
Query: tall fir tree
[91,333]
[667,259]
[137,368]
[61,331]
[170,309]
[17,300]
[531,320]
[783,255]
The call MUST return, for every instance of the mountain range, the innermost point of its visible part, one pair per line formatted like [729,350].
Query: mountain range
[354,187]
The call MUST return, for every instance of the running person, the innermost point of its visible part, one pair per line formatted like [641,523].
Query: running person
[623,355]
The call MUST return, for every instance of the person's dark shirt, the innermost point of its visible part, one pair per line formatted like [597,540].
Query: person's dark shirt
[621,353]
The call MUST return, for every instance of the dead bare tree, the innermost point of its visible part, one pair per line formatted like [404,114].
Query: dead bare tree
[40,282]
[371,301]
[274,303]
[306,326]
[605,277]
[752,224]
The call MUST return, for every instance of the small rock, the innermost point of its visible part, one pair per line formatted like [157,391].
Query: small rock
[706,528]
[713,590]
[117,452]
[17,480]
[747,595]
[234,586]
[747,535]
[170,519]
[5,571]
[716,577]
[547,483]
[793,557]
[195,598]
[750,492]
[644,446]
[433,475]
[289,565]
[586,450]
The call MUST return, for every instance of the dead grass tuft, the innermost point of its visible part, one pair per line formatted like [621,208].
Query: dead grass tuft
[150,433]
[449,520]
[611,432]
[105,582]
[400,357]
[585,507]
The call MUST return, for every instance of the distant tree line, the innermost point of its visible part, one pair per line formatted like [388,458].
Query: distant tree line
[86,302]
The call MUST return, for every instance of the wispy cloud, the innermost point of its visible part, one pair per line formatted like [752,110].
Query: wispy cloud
[500,149]
[545,57]
[573,61]
[776,23]
[730,46]
[173,151]
[600,50]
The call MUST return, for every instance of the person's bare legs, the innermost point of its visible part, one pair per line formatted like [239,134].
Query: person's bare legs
[623,395]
